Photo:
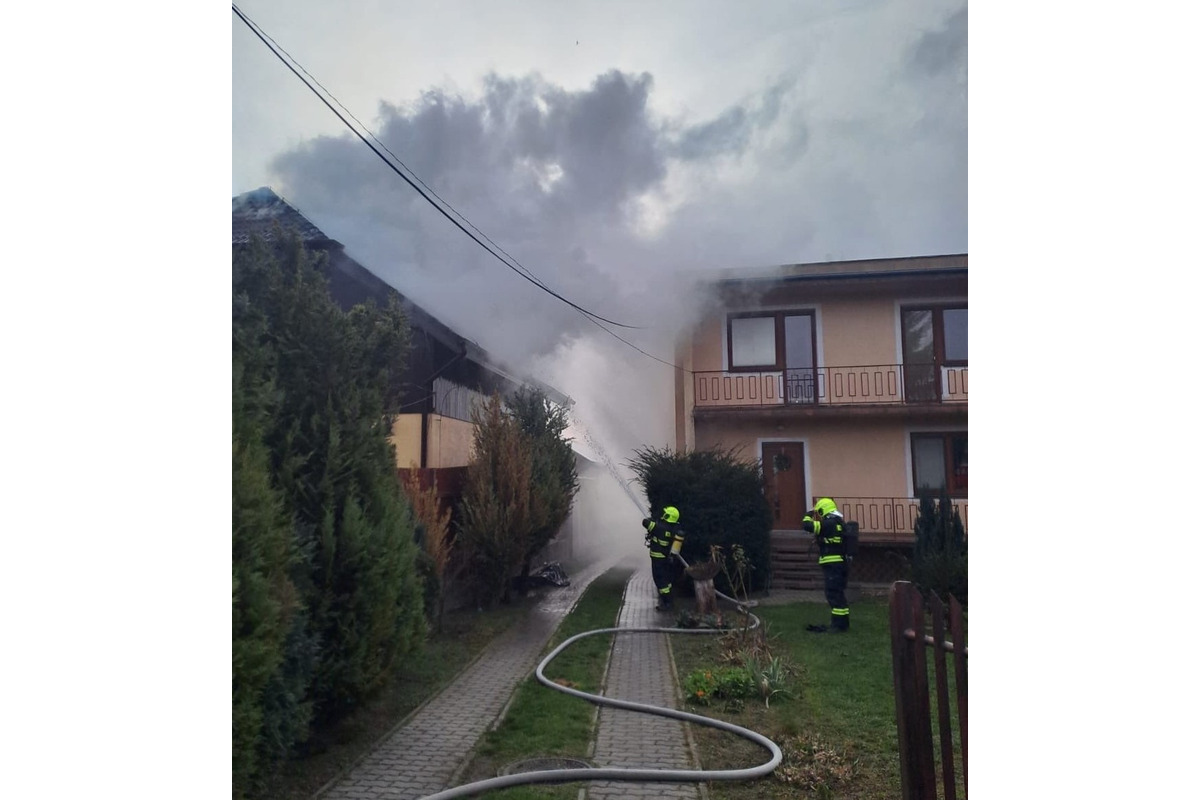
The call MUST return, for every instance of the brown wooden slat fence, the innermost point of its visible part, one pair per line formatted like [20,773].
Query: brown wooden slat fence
[910,673]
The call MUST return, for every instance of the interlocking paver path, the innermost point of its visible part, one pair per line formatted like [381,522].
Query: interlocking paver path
[423,755]
[640,670]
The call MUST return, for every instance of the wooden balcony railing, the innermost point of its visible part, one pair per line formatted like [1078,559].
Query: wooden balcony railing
[887,519]
[880,384]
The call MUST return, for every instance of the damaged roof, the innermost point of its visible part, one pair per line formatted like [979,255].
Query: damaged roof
[257,212]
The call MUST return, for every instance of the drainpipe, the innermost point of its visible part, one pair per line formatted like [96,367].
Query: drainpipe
[424,440]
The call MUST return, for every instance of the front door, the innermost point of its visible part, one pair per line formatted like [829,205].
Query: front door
[783,483]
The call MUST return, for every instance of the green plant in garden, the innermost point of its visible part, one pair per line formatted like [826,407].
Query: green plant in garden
[702,687]
[750,649]
[773,678]
[719,495]
[326,595]
[265,600]
[939,563]
[494,525]
[553,482]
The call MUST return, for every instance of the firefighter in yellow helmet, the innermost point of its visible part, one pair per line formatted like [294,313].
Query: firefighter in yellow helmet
[828,528]
[664,537]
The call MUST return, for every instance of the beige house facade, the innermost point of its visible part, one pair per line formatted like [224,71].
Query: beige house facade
[845,379]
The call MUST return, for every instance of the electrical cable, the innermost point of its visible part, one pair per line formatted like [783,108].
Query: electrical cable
[400,161]
[523,272]
[623,774]
[276,49]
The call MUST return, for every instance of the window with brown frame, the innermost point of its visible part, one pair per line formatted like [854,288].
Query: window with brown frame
[933,337]
[940,463]
[783,341]
[935,334]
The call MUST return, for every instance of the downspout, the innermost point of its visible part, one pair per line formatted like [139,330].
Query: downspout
[424,439]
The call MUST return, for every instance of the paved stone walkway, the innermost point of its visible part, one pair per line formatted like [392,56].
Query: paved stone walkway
[641,670]
[424,755]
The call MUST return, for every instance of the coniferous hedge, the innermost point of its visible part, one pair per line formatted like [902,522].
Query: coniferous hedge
[326,595]
[939,563]
[720,499]
[553,481]
[494,519]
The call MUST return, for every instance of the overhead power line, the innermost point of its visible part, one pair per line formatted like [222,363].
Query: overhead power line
[276,49]
[519,269]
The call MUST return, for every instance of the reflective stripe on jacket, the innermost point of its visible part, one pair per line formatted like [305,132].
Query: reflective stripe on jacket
[662,536]
[828,534]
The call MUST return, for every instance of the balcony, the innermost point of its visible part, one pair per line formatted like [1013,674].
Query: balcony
[878,385]
[887,519]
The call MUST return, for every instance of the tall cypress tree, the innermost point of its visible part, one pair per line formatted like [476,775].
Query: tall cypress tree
[493,528]
[329,383]
[554,481]
[264,598]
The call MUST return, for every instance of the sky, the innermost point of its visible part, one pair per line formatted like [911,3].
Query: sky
[618,151]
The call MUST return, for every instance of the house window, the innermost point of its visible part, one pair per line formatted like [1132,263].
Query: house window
[954,337]
[752,343]
[933,337]
[940,463]
[784,342]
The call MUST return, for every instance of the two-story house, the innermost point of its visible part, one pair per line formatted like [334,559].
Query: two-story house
[848,380]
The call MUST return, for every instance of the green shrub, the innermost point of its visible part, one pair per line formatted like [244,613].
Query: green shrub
[721,683]
[264,599]
[494,512]
[720,500]
[939,564]
[315,387]
[553,480]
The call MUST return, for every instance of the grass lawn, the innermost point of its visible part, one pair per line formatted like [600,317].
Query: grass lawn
[543,722]
[464,635]
[837,731]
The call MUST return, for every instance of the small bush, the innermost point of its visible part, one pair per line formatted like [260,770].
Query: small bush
[773,676]
[722,683]
[939,563]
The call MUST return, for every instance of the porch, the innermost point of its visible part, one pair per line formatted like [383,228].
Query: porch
[885,543]
[888,520]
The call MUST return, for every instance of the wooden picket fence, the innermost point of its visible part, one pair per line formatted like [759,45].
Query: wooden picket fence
[910,673]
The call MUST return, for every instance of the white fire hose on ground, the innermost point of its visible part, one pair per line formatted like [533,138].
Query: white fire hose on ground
[637,775]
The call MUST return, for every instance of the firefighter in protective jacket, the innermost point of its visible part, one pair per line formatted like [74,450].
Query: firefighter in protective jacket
[664,537]
[825,522]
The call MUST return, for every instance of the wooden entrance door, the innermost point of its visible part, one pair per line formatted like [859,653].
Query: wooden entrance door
[783,483]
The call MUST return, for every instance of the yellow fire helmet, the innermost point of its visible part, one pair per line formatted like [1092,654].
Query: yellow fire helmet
[825,506]
[670,514]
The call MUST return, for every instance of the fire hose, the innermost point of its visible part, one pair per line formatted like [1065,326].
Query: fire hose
[627,774]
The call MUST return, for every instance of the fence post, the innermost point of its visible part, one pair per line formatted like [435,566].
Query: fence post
[911,688]
[945,736]
[960,677]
